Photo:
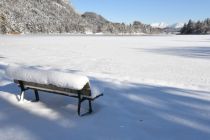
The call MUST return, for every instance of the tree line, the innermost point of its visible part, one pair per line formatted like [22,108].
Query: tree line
[199,27]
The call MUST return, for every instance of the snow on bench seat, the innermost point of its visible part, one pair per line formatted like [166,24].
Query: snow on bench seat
[47,77]
[55,82]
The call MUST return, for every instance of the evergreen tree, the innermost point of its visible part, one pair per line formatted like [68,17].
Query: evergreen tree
[199,27]
[184,29]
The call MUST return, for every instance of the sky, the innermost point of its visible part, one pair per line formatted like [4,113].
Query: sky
[146,11]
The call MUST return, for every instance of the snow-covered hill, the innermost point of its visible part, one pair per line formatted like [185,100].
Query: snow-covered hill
[39,16]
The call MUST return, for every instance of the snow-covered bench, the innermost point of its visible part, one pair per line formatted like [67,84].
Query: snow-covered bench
[62,83]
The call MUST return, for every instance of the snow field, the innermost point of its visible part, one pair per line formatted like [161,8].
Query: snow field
[155,87]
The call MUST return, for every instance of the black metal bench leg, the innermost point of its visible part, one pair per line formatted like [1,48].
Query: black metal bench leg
[90,106]
[36,95]
[22,91]
[79,104]
[22,95]
[80,100]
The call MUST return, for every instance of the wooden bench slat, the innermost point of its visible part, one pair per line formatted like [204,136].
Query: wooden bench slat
[85,91]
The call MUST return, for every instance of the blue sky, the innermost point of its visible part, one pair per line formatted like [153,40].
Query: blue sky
[147,11]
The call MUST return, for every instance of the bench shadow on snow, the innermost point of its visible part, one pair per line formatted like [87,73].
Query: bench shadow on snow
[126,111]
[191,52]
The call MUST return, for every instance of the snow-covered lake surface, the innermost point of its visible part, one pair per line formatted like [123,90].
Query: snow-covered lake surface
[155,87]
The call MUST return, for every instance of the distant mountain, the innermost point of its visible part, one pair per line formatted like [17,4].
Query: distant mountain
[95,18]
[99,24]
[174,28]
[166,28]
[176,25]
[95,21]
[160,25]
[163,25]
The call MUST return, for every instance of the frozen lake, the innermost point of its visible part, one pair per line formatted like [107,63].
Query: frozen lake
[156,87]
[165,60]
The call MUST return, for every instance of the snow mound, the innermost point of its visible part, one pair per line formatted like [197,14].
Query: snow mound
[60,79]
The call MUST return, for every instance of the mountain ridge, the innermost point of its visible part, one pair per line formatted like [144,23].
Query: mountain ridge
[58,16]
